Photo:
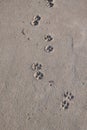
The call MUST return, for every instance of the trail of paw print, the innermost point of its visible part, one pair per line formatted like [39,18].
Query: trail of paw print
[37,68]
[35,20]
[48,48]
[67,97]
[50,3]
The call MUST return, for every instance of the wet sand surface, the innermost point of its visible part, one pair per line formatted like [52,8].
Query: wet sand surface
[43,65]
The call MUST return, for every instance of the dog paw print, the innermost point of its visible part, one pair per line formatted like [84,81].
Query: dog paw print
[35,20]
[68,95]
[48,38]
[65,105]
[50,3]
[48,49]
[36,66]
[38,75]
[51,83]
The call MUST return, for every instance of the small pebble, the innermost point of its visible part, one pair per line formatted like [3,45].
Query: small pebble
[50,0]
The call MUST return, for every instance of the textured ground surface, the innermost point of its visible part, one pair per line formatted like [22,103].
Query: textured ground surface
[30,104]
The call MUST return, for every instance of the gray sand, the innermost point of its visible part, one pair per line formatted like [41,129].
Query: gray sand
[33,99]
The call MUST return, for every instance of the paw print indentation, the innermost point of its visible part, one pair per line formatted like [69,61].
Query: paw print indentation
[65,104]
[35,20]
[50,3]
[67,97]
[48,38]
[36,66]
[38,75]
[48,49]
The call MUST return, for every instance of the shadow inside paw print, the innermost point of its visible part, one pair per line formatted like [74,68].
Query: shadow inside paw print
[50,0]
[23,31]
